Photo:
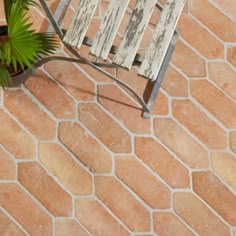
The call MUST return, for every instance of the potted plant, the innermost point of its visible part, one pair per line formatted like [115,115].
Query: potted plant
[21,46]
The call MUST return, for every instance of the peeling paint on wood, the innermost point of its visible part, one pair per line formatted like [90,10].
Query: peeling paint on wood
[133,35]
[80,23]
[134,32]
[108,28]
[161,38]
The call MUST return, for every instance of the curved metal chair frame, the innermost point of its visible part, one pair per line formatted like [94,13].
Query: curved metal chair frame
[56,20]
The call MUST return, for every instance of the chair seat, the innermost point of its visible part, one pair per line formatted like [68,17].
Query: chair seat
[80,23]
[152,64]
[134,32]
[161,39]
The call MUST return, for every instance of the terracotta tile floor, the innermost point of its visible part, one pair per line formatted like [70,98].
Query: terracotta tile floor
[73,162]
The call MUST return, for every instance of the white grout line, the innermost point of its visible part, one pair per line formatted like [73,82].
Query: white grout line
[131,134]
[113,214]
[222,10]
[35,200]
[54,178]
[185,223]
[53,226]
[207,29]
[165,146]
[218,215]
[82,226]
[20,226]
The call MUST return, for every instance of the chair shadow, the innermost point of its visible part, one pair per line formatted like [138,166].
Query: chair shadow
[24,77]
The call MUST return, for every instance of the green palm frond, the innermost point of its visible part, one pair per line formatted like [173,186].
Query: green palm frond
[5,77]
[48,43]
[25,4]
[24,46]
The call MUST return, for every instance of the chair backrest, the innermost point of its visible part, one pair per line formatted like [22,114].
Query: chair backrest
[132,37]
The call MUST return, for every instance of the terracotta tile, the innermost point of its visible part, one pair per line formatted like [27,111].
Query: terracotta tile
[53,5]
[216,194]
[224,76]
[83,146]
[144,89]
[93,28]
[34,118]
[224,164]
[203,221]
[7,166]
[199,124]
[174,83]
[96,75]
[69,227]
[132,78]
[105,128]
[214,101]
[61,164]
[186,7]
[122,203]
[144,235]
[188,61]
[167,224]
[21,206]
[228,7]
[141,86]
[211,48]
[74,3]
[96,219]
[97,158]
[143,182]
[162,162]
[124,24]
[72,79]
[202,9]
[104,5]
[161,105]
[233,141]
[15,139]
[45,189]
[68,19]
[155,17]
[8,227]
[46,90]
[39,22]
[231,55]
[84,51]
[115,101]
[186,148]
[146,40]
[2,13]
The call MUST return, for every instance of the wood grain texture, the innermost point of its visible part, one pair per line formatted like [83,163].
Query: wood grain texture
[80,23]
[108,28]
[134,32]
[161,38]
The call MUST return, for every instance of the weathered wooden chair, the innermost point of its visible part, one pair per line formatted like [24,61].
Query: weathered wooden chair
[154,62]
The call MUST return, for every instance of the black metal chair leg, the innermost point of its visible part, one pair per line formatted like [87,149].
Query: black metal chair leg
[160,77]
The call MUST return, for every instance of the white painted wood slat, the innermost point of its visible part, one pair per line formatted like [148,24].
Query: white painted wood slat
[134,32]
[108,28]
[80,23]
[161,38]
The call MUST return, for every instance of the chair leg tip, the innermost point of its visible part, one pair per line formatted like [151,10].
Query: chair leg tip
[34,70]
[146,115]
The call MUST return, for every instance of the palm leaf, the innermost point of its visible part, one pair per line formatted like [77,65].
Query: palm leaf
[5,77]
[25,4]
[24,46]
